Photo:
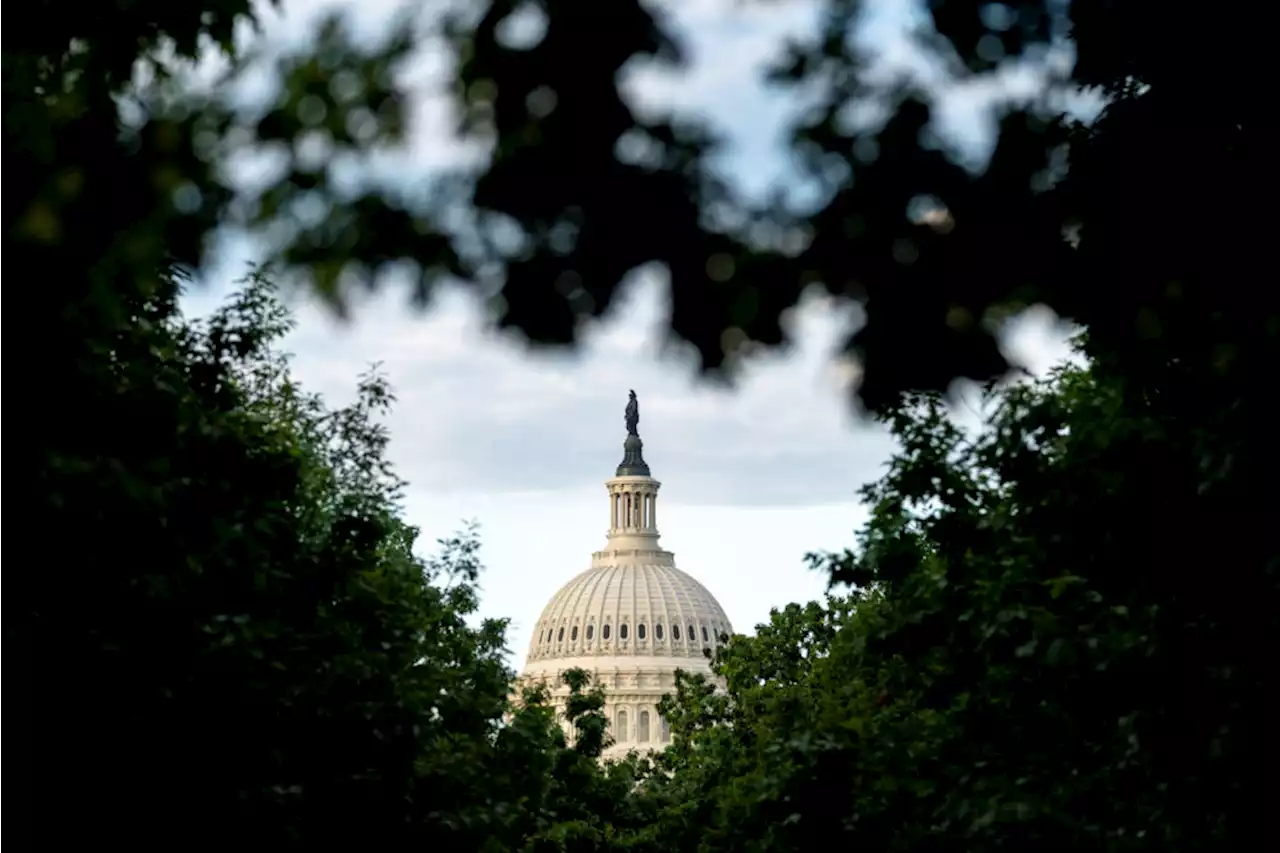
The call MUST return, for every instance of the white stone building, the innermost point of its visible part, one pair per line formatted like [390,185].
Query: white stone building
[632,619]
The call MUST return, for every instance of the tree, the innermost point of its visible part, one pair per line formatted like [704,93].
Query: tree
[576,804]
[86,205]
[1024,668]
[929,286]
[234,637]
[716,786]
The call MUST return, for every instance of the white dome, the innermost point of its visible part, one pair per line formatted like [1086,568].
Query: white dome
[632,620]
[645,609]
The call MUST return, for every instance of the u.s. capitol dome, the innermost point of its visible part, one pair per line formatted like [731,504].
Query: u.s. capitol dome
[632,619]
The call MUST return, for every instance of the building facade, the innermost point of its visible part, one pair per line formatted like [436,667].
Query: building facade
[632,619]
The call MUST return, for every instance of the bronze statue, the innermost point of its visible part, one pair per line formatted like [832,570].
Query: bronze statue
[633,464]
[633,414]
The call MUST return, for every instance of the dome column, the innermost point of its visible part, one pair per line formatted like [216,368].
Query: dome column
[632,511]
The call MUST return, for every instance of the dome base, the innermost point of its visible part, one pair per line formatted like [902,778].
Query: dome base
[634,688]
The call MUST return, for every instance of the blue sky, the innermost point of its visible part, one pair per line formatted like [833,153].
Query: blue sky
[521,440]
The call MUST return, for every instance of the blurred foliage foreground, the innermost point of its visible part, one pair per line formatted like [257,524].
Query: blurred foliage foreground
[1062,629]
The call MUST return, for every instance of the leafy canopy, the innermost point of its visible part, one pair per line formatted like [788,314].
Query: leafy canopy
[235,637]
[559,211]
[1027,661]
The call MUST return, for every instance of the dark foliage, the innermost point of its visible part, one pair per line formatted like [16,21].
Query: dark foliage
[233,633]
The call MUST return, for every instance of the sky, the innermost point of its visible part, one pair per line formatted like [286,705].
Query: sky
[521,440]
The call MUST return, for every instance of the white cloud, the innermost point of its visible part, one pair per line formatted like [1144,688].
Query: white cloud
[503,418]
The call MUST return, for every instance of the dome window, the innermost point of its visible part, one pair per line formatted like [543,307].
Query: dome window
[604,632]
[640,631]
[692,635]
[705,638]
[591,630]
[675,632]
[642,727]
[657,631]
[622,727]
[573,634]
[560,636]
[622,631]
